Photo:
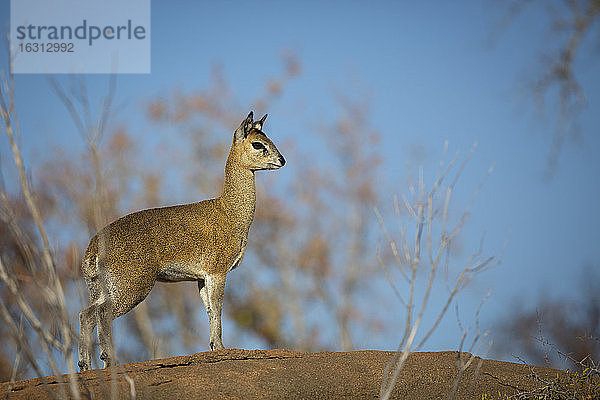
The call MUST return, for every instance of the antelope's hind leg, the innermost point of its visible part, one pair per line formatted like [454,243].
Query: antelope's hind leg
[87,322]
[105,316]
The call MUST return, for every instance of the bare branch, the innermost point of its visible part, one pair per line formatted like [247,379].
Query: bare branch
[423,215]
[57,299]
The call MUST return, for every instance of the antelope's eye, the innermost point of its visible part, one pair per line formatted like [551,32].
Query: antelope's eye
[258,145]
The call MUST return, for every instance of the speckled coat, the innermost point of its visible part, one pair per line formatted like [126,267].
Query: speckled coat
[192,242]
[177,243]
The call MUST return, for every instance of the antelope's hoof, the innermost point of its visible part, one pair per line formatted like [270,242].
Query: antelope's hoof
[107,361]
[83,366]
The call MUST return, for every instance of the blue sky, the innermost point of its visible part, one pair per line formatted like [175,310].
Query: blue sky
[433,71]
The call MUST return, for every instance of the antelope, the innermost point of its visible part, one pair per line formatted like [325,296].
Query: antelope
[200,242]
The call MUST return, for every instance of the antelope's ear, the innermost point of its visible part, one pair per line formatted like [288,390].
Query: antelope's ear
[259,124]
[244,128]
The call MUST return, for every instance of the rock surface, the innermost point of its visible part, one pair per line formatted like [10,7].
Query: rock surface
[286,374]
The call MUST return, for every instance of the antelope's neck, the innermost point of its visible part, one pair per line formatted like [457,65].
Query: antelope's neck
[239,195]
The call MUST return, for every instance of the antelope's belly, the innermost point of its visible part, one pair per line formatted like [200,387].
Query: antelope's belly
[179,271]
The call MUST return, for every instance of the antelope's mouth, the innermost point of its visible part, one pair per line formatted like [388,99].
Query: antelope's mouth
[280,163]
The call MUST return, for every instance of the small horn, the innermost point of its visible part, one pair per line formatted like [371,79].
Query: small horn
[259,124]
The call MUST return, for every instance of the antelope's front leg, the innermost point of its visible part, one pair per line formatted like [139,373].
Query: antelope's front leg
[212,293]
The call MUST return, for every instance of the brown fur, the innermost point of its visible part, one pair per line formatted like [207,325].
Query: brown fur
[199,242]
